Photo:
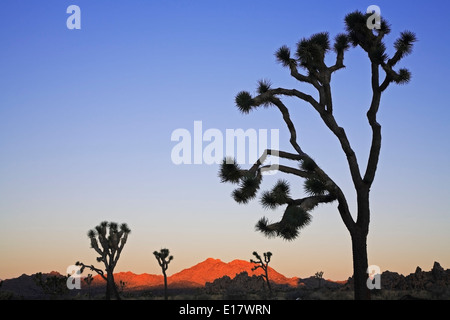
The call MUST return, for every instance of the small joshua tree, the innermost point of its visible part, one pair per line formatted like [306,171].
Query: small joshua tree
[122,285]
[108,240]
[263,265]
[163,260]
[88,281]
[319,277]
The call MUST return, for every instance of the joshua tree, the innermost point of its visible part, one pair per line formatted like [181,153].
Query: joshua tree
[319,186]
[88,281]
[53,285]
[263,265]
[108,240]
[163,260]
[122,285]
[319,277]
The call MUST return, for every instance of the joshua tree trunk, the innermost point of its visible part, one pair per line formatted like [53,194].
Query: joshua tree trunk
[360,265]
[111,289]
[359,234]
[165,285]
[268,283]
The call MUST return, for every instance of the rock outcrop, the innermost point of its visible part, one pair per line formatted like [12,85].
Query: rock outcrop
[436,281]
[241,284]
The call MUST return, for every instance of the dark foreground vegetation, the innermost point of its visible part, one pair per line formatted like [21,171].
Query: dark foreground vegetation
[420,285]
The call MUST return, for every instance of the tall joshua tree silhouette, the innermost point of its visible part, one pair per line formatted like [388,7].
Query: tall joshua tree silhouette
[263,264]
[319,186]
[108,240]
[163,259]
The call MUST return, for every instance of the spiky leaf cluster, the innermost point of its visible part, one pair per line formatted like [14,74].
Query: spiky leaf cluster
[283,56]
[293,220]
[311,52]
[230,171]
[314,187]
[308,164]
[279,195]
[404,43]
[244,102]
[247,189]
[360,34]
[264,85]
[163,255]
[341,43]
[403,76]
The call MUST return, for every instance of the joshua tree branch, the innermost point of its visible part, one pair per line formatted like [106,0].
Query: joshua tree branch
[300,77]
[376,128]
[294,171]
[277,153]
[399,54]
[287,119]
[120,248]
[94,244]
[92,268]
[264,97]
[328,100]
[339,132]
[310,202]
[387,81]
[339,62]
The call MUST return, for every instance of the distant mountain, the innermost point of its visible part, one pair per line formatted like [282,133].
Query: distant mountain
[133,281]
[211,269]
[24,286]
[195,276]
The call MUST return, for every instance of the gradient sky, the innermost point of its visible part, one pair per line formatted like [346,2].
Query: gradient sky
[86,118]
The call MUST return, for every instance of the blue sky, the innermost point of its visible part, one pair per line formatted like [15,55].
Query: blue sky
[86,118]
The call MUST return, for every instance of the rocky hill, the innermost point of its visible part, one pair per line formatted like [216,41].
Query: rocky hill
[436,281]
[195,276]
[211,269]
